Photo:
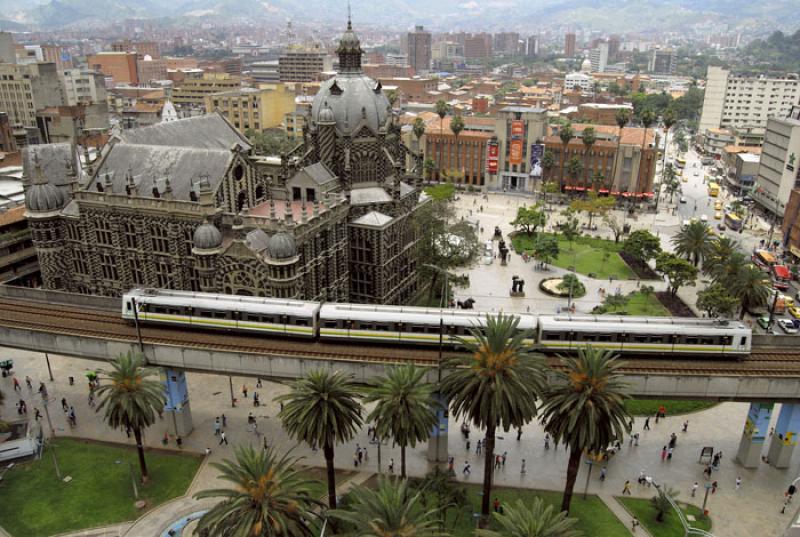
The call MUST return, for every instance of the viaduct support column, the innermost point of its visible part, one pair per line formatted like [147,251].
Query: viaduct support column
[783,440]
[177,409]
[754,434]
[437,443]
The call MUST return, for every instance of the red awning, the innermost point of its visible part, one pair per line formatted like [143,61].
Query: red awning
[626,194]
[615,192]
[580,188]
[605,191]
[568,187]
[648,194]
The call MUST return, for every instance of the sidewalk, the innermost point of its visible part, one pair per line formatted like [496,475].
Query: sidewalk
[619,510]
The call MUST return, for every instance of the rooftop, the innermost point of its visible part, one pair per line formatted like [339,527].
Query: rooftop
[282,206]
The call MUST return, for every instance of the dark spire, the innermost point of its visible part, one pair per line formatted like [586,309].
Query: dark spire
[349,50]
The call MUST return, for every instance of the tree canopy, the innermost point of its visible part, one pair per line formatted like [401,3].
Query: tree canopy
[530,218]
[642,245]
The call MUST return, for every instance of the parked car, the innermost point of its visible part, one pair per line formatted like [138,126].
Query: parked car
[703,218]
[683,199]
[794,311]
[787,326]
[763,321]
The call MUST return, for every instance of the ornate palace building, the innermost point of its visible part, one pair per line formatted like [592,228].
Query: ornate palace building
[185,205]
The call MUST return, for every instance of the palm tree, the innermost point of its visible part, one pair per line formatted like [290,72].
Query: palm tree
[574,168]
[589,138]
[495,385]
[131,399]
[670,180]
[405,409]
[661,501]
[548,161]
[419,130]
[535,520]
[751,288]
[723,255]
[622,117]
[584,408]
[693,241]
[647,118]
[322,409]
[456,126]
[442,108]
[269,497]
[566,134]
[391,510]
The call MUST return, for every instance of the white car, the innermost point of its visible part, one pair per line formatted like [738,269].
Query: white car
[787,326]
[703,218]
[683,199]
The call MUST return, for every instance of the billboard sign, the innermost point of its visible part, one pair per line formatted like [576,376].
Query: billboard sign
[537,153]
[515,152]
[492,157]
[517,128]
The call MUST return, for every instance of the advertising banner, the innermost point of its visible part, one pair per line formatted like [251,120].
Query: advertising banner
[492,157]
[537,152]
[517,128]
[515,152]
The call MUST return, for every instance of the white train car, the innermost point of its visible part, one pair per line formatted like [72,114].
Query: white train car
[645,335]
[293,318]
[400,324]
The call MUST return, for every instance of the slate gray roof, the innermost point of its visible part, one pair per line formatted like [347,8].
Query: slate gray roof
[319,173]
[53,162]
[210,131]
[183,165]
[373,218]
[370,194]
[257,240]
[352,97]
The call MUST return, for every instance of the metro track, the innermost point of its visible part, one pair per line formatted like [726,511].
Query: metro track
[62,319]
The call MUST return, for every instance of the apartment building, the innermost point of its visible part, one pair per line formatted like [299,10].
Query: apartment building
[120,67]
[303,64]
[25,89]
[253,108]
[735,101]
[193,91]
[18,262]
[419,50]
[82,86]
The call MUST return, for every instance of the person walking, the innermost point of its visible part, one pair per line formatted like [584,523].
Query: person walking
[603,472]
[36,414]
[669,453]
[635,524]
[646,424]
[179,441]
[522,468]
[28,382]
[391,466]
[466,470]
[224,421]
[71,415]
[547,441]
[244,391]
[17,387]
[496,505]
[663,453]
[64,405]
[519,434]
[450,465]
[694,489]
[217,426]
[496,462]
[626,488]
[738,482]
[223,438]
[478,447]
[714,486]
[685,426]
[503,459]
[468,444]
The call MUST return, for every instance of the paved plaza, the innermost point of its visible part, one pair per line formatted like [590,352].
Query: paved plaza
[752,510]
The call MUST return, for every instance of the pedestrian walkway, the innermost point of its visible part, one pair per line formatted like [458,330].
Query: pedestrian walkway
[752,510]
[117,530]
[621,513]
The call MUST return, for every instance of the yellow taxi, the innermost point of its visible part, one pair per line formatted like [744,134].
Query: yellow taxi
[794,311]
[718,206]
[718,215]
[685,179]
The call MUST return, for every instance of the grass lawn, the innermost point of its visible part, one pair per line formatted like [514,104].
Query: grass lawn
[586,254]
[595,519]
[35,503]
[671,527]
[639,304]
[675,407]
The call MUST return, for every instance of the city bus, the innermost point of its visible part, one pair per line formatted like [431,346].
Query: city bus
[713,189]
[733,221]
[764,259]
[680,162]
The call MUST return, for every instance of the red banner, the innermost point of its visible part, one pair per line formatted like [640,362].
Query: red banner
[515,152]
[517,128]
[493,155]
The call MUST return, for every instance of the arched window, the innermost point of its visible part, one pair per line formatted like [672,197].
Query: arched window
[240,201]
[260,192]
[238,172]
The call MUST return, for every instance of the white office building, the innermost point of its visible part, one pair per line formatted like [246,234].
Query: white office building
[599,57]
[583,81]
[735,102]
[779,169]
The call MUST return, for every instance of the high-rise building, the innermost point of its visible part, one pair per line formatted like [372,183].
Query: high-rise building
[779,168]
[149,69]
[303,64]
[598,56]
[254,109]
[478,46]
[119,66]
[569,45]
[419,50]
[506,43]
[25,89]
[614,44]
[142,48]
[737,101]
[82,86]
[662,61]
[8,52]
[193,91]
[57,55]
[532,46]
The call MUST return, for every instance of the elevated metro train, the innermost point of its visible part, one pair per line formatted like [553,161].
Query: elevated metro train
[404,325]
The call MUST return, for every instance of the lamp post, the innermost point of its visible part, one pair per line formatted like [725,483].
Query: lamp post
[49,370]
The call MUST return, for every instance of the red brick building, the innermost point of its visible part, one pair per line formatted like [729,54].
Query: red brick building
[468,154]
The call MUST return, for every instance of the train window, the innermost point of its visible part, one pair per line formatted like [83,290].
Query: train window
[205,313]
[656,339]
[726,340]
[744,340]
[640,339]
[603,337]
[707,341]
[432,329]
[220,315]
[382,327]
[418,328]
[301,322]
[550,336]
[128,304]
[691,340]
[331,324]
[588,337]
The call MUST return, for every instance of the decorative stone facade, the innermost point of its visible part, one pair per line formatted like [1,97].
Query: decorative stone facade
[185,205]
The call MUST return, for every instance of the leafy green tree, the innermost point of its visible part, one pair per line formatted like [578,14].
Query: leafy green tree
[593,205]
[322,409]
[405,409]
[661,501]
[566,133]
[131,398]
[270,142]
[615,224]
[584,408]
[530,218]
[456,126]
[717,301]
[441,192]
[444,494]
[571,283]
[751,288]
[391,510]
[574,168]
[495,385]
[545,248]
[570,227]
[670,179]
[642,245]
[534,520]
[693,241]
[679,271]
[428,167]
[392,96]
[268,497]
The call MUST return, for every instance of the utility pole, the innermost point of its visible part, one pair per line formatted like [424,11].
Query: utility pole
[136,322]
[50,371]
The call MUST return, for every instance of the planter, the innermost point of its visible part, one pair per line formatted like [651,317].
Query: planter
[549,286]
